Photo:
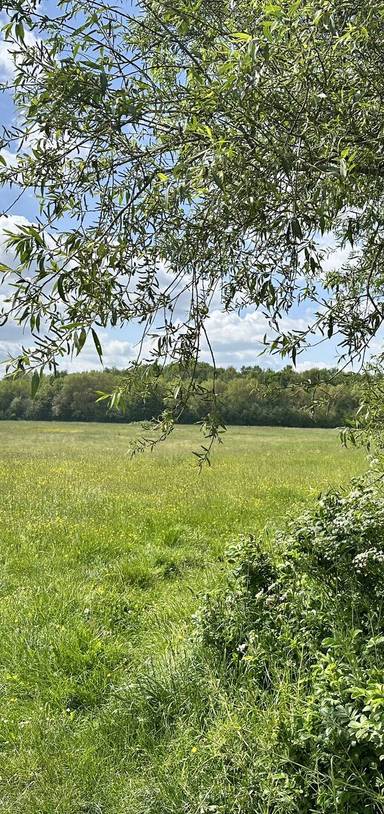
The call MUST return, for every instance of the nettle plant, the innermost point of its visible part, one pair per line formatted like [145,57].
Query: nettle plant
[185,155]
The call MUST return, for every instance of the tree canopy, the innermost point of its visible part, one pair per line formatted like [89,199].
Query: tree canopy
[194,151]
[250,396]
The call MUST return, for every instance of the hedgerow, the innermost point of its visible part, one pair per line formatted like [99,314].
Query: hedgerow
[285,674]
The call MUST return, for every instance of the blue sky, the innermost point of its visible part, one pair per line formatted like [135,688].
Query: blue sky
[236,339]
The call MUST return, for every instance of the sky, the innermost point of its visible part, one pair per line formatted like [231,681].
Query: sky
[236,338]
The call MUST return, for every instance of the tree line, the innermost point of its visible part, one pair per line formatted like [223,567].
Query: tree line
[250,396]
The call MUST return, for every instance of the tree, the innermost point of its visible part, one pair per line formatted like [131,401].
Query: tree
[191,150]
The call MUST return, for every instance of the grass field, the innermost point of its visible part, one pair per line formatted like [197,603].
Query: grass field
[102,562]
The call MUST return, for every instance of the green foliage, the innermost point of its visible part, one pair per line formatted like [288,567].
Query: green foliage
[298,634]
[251,396]
[368,427]
[186,151]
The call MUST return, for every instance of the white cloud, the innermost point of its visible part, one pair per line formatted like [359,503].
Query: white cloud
[231,331]
[10,158]
[9,54]
[6,61]
[236,341]
[116,353]
[9,223]
[336,258]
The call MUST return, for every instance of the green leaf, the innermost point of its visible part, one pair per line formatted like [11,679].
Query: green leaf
[81,340]
[272,9]
[296,228]
[36,234]
[103,82]
[102,396]
[19,31]
[242,36]
[97,344]
[60,288]
[35,383]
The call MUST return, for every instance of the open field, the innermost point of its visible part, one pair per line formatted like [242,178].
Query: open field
[103,559]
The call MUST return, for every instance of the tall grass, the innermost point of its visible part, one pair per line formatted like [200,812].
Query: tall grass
[105,699]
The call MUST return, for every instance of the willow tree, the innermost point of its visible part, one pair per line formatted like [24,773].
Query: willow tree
[185,150]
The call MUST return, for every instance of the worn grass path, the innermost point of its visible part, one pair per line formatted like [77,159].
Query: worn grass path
[102,562]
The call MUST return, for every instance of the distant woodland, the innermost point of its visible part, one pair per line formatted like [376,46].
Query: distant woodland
[252,395]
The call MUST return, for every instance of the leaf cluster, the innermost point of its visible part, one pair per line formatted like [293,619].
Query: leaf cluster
[225,144]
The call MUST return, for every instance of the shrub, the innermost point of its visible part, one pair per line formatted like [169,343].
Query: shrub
[275,702]
[299,629]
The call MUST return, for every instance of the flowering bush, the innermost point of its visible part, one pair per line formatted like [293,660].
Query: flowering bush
[300,629]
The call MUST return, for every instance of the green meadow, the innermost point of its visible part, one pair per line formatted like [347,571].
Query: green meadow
[104,562]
